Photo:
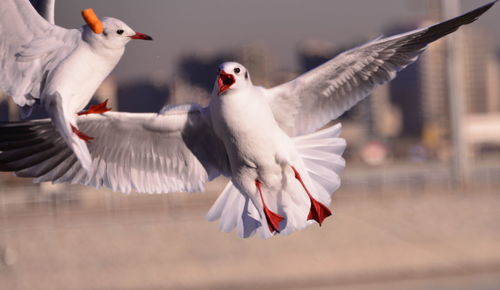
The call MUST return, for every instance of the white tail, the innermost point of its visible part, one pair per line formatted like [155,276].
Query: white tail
[320,165]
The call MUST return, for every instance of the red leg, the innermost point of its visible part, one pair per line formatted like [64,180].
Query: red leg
[273,219]
[318,212]
[96,109]
[80,134]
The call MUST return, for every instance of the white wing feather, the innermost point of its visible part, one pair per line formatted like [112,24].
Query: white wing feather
[30,47]
[151,153]
[310,101]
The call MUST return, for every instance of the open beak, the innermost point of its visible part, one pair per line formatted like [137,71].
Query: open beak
[224,81]
[142,36]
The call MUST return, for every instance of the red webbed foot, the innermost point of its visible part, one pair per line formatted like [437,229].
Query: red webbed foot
[96,109]
[273,219]
[318,212]
[80,134]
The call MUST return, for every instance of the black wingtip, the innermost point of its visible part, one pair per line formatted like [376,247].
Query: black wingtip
[439,30]
[473,15]
[489,5]
[481,10]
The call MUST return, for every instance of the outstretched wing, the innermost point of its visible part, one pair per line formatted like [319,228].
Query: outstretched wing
[154,153]
[310,101]
[30,47]
[45,8]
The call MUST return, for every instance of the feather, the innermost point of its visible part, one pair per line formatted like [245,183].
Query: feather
[310,101]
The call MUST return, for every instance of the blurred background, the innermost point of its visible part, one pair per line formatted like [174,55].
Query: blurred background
[419,207]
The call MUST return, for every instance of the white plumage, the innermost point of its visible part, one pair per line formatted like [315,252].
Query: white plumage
[61,68]
[320,154]
[282,172]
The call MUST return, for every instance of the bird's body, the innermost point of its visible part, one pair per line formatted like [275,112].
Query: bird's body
[73,82]
[262,157]
[257,148]
[271,143]
[252,138]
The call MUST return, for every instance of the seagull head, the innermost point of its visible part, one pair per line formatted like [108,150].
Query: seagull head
[231,76]
[109,32]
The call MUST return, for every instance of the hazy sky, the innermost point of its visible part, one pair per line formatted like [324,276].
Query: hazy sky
[183,26]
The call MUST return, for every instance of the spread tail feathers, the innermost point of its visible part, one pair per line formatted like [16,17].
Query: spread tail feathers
[320,164]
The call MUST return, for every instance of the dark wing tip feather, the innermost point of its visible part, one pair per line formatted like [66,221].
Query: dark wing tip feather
[439,30]
[24,144]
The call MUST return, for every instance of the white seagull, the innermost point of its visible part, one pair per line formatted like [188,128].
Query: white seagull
[60,67]
[282,172]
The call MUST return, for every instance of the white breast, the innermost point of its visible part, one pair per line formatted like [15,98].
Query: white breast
[78,76]
[245,122]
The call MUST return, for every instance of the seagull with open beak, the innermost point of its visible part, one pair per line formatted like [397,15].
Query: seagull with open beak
[60,68]
[274,144]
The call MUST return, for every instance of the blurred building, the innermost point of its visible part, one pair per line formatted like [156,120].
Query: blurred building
[493,67]
[199,70]
[313,53]
[406,91]
[480,66]
[259,61]
[385,117]
[183,92]
[108,91]
[413,109]
[142,96]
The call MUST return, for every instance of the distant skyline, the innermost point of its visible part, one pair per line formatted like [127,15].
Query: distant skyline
[186,26]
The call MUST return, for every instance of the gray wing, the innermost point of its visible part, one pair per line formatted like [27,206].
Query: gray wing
[30,47]
[45,8]
[310,101]
[153,153]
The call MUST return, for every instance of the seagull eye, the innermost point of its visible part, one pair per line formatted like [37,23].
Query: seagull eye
[237,70]
[120,31]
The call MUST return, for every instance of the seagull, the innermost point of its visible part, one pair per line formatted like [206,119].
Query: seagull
[283,163]
[60,68]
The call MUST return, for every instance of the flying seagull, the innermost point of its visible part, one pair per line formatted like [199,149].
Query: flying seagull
[282,170]
[61,68]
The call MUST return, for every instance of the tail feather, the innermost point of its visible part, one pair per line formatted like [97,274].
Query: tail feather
[236,210]
[234,201]
[249,223]
[217,208]
[320,163]
[321,153]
